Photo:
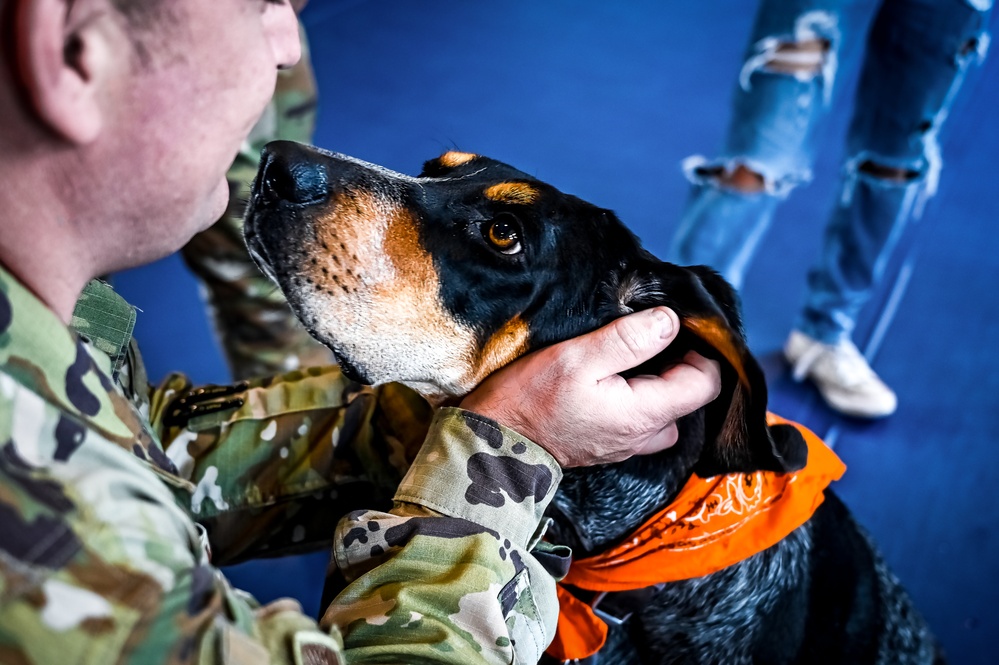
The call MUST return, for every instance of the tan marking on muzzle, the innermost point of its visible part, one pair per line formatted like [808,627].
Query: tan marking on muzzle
[512,192]
[405,251]
[454,158]
[382,306]
[412,300]
[368,240]
[335,264]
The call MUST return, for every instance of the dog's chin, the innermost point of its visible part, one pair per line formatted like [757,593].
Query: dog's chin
[357,372]
[258,253]
[350,369]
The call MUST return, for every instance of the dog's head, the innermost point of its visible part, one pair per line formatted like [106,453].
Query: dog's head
[438,280]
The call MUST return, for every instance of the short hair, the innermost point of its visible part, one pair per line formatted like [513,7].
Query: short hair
[134,10]
[144,19]
[133,6]
[138,12]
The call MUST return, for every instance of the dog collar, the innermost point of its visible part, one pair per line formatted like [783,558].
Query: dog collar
[713,523]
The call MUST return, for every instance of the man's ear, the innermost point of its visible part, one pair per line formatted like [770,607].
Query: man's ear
[737,438]
[62,58]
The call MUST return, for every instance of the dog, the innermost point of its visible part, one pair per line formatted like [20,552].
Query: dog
[438,280]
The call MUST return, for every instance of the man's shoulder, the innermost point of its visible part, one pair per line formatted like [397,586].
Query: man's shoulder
[45,435]
[65,485]
[36,505]
[36,429]
[91,537]
[42,449]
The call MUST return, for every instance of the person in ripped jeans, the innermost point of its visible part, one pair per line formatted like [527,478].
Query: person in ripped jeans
[915,56]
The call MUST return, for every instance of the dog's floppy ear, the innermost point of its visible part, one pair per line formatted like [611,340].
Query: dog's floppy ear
[737,438]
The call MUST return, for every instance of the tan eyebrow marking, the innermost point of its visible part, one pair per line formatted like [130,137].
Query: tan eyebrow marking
[454,158]
[512,192]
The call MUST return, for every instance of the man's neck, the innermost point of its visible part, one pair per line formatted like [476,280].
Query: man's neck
[39,246]
[56,290]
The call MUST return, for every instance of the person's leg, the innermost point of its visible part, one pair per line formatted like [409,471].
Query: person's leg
[917,55]
[783,91]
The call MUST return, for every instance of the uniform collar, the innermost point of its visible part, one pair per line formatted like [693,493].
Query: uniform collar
[105,320]
[41,354]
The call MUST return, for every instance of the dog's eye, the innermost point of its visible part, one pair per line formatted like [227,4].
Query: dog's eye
[504,234]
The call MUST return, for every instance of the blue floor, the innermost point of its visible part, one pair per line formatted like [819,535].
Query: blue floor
[604,100]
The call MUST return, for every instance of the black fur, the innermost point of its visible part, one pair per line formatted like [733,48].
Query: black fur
[822,595]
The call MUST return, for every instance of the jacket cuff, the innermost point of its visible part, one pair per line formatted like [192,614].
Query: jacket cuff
[473,468]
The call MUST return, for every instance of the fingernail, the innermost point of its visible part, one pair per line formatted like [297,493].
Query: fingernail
[664,321]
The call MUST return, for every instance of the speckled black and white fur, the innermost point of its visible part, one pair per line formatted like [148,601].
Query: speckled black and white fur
[821,595]
[771,608]
[438,280]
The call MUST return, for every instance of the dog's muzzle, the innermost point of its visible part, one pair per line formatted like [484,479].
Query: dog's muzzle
[289,179]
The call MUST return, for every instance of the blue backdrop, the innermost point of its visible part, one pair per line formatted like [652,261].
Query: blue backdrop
[604,100]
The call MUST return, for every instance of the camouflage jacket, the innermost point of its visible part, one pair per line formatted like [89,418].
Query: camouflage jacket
[101,560]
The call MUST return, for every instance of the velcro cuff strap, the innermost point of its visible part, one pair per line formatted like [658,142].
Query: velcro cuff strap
[473,468]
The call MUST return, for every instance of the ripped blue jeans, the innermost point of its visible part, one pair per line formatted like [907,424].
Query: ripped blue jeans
[914,57]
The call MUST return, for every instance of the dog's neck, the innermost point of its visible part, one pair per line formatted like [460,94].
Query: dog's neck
[597,507]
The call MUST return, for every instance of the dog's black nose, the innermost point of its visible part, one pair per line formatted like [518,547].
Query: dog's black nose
[292,172]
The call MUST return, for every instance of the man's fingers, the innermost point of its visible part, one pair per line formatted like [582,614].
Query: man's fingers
[628,342]
[661,440]
[678,391]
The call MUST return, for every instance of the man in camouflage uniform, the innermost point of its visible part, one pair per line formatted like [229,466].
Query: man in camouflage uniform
[114,118]
[258,332]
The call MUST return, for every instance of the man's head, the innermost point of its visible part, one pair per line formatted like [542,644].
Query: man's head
[121,117]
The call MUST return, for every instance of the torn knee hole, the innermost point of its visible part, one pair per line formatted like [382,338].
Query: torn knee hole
[804,57]
[970,47]
[888,173]
[741,178]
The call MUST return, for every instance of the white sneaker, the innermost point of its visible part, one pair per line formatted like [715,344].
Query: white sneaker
[841,374]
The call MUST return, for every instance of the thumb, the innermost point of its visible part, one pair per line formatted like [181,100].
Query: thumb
[629,341]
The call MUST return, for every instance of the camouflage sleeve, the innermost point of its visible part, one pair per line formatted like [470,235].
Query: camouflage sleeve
[269,466]
[259,334]
[98,564]
[452,571]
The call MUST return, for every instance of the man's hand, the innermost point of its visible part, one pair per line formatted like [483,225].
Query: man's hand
[570,399]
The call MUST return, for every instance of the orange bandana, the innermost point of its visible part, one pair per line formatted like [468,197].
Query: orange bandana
[713,523]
